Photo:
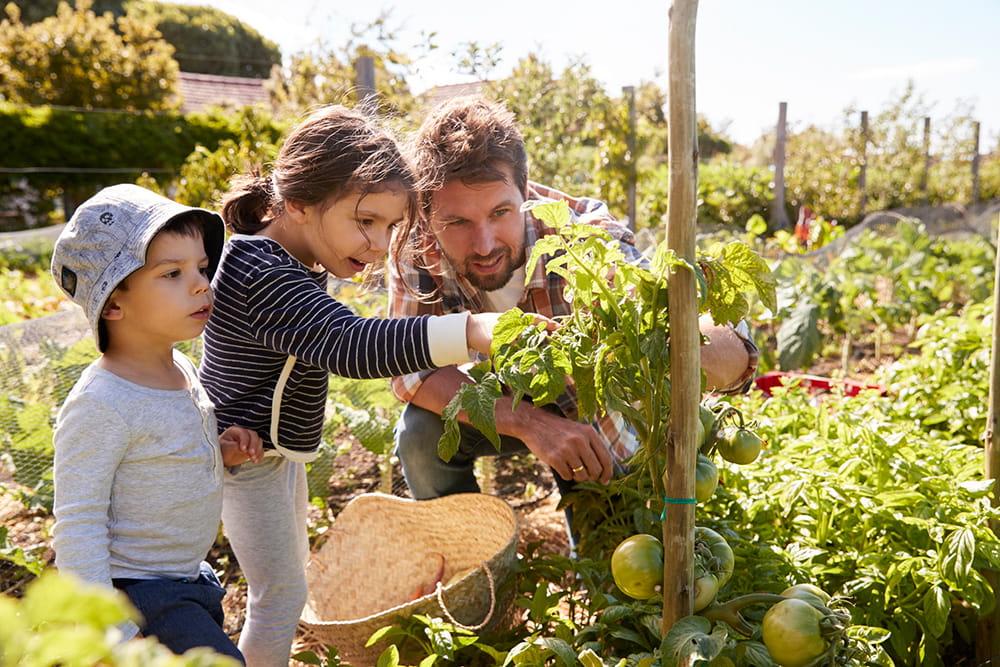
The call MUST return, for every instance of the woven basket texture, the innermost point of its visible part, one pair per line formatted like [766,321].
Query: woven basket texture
[383,555]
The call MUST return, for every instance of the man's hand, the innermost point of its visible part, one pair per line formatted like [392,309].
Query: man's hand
[479,329]
[574,450]
[240,445]
[724,358]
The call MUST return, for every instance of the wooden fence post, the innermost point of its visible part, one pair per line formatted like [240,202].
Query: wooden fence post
[629,93]
[364,71]
[925,176]
[988,629]
[975,163]
[779,216]
[863,176]
[685,339]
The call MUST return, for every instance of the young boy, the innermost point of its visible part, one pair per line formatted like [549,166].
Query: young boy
[138,464]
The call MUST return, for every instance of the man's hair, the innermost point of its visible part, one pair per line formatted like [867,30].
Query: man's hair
[189,224]
[468,138]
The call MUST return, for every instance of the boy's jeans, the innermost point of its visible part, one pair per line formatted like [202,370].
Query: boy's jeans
[182,614]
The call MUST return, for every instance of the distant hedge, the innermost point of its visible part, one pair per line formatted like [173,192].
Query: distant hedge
[61,139]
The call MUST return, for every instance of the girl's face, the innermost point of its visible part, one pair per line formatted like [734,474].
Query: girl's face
[355,231]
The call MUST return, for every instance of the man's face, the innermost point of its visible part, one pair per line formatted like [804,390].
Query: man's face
[480,229]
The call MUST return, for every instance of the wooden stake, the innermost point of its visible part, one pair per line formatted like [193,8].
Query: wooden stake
[988,630]
[629,93]
[863,176]
[685,339]
[975,163]
[925,175]
[779,216]
[364,72]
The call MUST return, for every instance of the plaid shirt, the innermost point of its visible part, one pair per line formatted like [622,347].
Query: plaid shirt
[543,295]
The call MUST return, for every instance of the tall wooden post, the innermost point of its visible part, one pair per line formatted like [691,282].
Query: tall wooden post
[863,176]
[779,216]
[975,163]
[925,176]
[988,630]
[629,93]
[364,72]
[685,362]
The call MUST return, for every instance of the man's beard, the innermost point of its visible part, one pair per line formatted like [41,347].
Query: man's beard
[493,281]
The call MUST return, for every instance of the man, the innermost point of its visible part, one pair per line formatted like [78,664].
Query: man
[472,180]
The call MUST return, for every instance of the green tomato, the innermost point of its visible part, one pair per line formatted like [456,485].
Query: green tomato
[707,418]
[706,479]
[706,587]
[792,633]
[808,592]
[637,566]
[739,446]
[722,553]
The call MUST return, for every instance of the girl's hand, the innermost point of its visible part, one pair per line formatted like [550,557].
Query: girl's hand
[479,329]
[240,445]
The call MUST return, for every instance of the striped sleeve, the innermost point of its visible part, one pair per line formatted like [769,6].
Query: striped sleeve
[404,302]
[289,312]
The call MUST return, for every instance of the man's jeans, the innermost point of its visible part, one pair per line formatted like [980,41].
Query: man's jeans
[182,614]
[428,476]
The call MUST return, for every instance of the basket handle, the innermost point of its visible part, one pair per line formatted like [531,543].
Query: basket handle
[489,614]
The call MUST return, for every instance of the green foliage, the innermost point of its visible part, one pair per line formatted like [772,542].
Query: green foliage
[208,40]
[326,75]
[62,622]
[33,11]
[615,345]
[573,131]
[77,58]
[880,284]
[944,388]
[49,137]
[823,166]
[856,496]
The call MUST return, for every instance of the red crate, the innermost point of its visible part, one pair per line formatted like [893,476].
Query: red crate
[814,383]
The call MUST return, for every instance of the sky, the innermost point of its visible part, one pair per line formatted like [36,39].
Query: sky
[819,56]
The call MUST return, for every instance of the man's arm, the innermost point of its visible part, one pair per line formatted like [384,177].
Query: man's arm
[556,441]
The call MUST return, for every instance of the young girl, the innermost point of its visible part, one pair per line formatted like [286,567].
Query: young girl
[338,194]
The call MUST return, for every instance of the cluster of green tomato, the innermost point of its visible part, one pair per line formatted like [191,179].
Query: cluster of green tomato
[799,628]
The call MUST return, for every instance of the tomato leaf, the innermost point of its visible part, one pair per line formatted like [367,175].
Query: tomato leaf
[563,651]
[798,337]
[937,607]
[692,638]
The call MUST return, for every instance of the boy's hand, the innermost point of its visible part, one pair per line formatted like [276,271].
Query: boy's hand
[479,329]
[240,445]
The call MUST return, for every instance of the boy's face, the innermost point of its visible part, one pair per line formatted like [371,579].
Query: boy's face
[169,299]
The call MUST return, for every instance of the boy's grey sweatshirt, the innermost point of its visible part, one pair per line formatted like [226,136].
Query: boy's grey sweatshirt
[138,478]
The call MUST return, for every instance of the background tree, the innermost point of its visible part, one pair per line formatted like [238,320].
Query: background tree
[78,58]
[33,11]
[205,39]
[209,41]
[325,74]
[563,119]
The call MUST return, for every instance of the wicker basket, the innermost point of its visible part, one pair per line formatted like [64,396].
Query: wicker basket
[384,554]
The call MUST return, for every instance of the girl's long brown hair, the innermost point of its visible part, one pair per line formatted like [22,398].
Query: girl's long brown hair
[334,152]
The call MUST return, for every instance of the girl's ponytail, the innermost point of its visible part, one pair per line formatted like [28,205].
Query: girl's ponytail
[246,208]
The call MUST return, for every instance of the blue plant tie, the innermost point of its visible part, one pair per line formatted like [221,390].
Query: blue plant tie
[675,501]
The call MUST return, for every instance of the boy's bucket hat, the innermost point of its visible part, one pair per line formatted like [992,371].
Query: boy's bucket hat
[107,238]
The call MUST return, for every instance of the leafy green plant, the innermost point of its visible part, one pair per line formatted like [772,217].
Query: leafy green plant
[615,345]
[62,622]
[856,496]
